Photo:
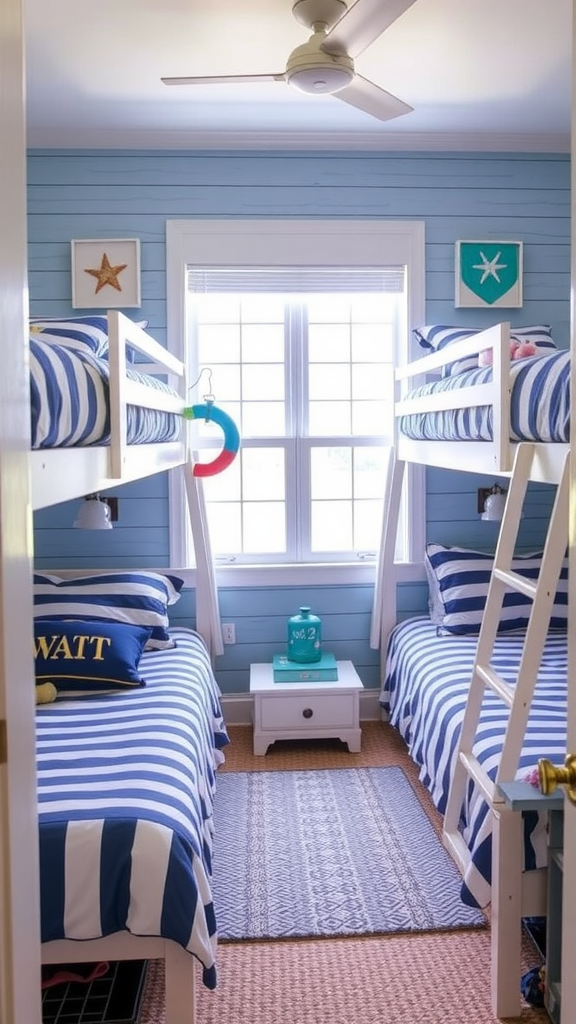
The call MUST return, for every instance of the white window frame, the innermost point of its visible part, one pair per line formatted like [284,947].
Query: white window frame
[289,242]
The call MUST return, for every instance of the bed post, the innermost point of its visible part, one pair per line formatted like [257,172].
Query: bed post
[385,597]
[506,920]
[180,986]
[207,608]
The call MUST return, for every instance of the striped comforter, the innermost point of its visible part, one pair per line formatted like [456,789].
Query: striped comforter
[425,688]
[125,791]
[69,394]
[539,404]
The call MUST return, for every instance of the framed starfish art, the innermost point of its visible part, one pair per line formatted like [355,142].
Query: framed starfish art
[105,273]
[489,274]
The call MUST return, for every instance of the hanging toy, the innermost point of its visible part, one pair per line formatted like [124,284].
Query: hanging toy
[231,438]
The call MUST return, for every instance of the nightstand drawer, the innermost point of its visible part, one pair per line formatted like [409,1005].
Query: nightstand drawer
[306,710]
[314,711]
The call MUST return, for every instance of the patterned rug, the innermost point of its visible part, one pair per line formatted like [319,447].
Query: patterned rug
[327,853]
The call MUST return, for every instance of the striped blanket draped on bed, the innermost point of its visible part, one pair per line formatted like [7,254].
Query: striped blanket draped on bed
[125,789]
[69,395]
[425,690]
[539,404]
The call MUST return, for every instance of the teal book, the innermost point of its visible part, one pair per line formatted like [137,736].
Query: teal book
[286,671]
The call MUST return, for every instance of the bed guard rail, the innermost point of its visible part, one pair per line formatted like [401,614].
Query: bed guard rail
[492,456]
[123,333]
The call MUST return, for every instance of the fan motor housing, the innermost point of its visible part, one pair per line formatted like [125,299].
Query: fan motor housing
[312,70]
[319,12]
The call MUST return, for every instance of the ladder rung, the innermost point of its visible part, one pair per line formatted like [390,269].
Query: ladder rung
[477,772]
[517,582]
[496,683]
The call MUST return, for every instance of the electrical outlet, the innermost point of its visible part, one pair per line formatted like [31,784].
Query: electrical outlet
[228,633]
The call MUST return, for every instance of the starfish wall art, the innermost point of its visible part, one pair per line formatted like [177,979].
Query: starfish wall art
[105,273]
[489,274]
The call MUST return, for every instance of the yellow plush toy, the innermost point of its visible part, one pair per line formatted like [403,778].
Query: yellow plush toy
[46,693]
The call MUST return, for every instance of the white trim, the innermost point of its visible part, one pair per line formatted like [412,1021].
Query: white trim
[248,243]
[379,140]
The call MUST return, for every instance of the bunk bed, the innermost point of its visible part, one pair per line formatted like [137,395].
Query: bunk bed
[93,355]
[151,808]
[479,705]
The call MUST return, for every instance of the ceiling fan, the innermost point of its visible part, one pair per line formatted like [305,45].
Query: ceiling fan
[325,64]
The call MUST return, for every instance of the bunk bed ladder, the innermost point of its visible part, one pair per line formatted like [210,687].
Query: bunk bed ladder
[517,698]
[507,841]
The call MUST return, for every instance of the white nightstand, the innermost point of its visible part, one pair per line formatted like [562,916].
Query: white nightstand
[310,710]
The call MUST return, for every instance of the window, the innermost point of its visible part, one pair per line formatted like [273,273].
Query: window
[301,356]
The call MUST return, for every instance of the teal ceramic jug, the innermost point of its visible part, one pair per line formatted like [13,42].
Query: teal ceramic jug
[304,637]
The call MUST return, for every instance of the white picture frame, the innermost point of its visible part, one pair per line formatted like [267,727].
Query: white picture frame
[488,274]
[105,273]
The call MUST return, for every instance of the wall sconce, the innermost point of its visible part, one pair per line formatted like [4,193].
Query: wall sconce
[94,513]
[491,503]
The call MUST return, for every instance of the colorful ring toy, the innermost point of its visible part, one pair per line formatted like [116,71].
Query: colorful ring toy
[231,438]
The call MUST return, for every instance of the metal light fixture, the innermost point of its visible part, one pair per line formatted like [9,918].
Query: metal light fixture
[494,505]
[93,514]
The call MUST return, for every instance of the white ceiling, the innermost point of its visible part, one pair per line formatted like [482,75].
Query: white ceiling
[480,74]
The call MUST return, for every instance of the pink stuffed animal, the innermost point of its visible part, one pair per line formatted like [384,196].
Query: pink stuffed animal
[518,350]
[523,350]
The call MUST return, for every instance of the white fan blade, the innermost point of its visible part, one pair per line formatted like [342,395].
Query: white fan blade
[223,79]
[372,99]
[362,24]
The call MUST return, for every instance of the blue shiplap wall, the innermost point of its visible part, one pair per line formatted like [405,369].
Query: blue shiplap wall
[515,196]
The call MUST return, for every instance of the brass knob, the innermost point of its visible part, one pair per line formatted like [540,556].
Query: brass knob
[551,775]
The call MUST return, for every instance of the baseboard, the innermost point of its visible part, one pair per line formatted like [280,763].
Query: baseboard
[238,707]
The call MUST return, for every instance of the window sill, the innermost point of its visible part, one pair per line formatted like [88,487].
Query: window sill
[363,574]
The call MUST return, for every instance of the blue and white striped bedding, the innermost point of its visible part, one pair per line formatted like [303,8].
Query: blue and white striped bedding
[425,689]
[539,404]
[125,788]
[69,393]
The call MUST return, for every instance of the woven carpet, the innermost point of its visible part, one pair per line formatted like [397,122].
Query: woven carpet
[329,853]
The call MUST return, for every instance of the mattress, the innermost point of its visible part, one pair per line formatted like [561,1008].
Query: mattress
[126,786]
[70,401]
[425,689]
[539,404]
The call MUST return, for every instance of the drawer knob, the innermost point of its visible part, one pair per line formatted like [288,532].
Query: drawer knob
[307,712]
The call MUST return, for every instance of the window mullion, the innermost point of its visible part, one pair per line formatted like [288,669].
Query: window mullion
[301,512]
[292,378]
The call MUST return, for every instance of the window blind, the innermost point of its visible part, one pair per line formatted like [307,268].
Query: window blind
[296,280]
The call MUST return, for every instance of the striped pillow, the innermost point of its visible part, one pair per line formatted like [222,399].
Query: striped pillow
[79,332]
[458,582]
[68,396]
[437,337]
[137,598]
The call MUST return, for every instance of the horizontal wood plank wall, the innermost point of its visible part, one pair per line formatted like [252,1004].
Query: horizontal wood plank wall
[75,195]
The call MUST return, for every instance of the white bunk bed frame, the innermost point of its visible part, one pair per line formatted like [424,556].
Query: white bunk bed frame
[62,474]
[514,893]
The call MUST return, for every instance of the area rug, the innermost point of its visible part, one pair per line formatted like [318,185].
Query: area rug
[327,853]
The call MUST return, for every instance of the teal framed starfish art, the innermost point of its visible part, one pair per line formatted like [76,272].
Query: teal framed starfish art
[488,274]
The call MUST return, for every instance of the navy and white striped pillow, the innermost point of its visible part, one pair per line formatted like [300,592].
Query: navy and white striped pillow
[436,337]
[458,580]
[68,396]
[139,598]
[78,332]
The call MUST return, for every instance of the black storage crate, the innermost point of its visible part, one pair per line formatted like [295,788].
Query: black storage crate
[113,998]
